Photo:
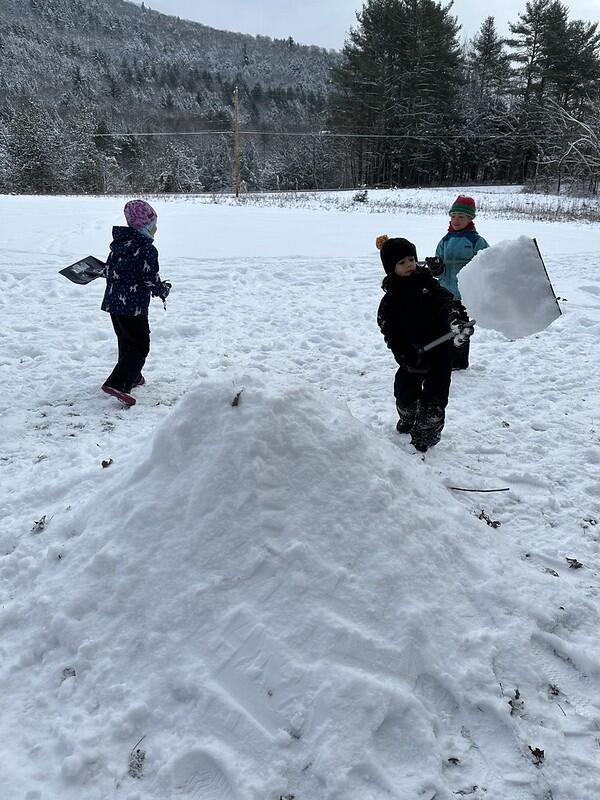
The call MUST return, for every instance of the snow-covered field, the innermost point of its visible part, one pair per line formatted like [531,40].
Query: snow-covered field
[508,202]
[282,599]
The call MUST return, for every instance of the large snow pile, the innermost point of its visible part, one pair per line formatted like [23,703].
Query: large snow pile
[273,601]
[506,288]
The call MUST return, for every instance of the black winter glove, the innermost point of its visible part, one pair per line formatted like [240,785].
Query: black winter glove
[160,289]
[460,324]
[464,330]
[165,288]
[457,313]
[435,265]
[413,357]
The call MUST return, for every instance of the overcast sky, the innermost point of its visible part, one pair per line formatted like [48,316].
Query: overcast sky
[326,22]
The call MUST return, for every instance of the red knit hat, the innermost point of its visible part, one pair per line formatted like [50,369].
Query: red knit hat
[463,205]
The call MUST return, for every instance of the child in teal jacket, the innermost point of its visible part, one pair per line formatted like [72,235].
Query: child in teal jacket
[455,250]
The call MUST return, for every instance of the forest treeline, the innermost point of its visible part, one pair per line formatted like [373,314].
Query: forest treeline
[103,96]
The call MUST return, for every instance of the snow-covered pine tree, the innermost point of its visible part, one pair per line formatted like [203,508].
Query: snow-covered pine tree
[34,149]
[398,76]
[486,116]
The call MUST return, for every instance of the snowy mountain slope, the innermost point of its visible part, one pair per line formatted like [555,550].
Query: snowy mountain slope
[283,598]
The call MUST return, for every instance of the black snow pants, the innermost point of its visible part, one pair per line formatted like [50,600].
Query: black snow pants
[133,337]
[461,355]
[421,400]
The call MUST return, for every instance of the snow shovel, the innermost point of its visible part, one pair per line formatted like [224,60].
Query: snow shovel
[85,270]
[469,323]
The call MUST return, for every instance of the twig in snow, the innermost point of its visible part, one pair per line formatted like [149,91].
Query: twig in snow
[137,743]
[136,761]
[236,400]
[537,755]
[517,706]
[40,524]
[493,523]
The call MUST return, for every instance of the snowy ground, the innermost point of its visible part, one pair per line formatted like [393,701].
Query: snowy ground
[283,599]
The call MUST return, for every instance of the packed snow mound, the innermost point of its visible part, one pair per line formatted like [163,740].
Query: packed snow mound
[506,288]
[272,601]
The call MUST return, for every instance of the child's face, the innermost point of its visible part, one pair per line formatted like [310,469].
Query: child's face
[459,221]
[405,267]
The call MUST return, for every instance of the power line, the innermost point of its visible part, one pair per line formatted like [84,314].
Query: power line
[306,134]
[310,134]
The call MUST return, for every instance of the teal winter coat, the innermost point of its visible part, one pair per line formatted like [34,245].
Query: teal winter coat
[456,249]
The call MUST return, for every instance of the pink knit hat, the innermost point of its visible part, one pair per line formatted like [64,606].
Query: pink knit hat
[140,214]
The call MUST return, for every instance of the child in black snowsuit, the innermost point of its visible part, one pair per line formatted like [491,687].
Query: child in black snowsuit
[414,311]
[131,279]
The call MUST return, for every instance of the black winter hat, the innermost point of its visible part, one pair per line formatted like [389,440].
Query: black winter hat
[394,250]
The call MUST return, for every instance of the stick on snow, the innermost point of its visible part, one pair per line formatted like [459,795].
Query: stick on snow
[460,489]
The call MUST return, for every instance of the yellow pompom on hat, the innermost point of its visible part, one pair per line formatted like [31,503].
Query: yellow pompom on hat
[381,240]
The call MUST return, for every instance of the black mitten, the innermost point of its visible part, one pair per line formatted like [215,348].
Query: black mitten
[414,356]
[165,288]
[464,333]
[457,313]
[435,265]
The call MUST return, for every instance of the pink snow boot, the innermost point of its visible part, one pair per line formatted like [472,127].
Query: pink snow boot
[125,398]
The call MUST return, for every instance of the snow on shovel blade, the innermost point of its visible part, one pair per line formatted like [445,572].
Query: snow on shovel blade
[507,289]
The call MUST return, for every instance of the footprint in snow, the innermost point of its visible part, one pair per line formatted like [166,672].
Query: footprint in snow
[404,747]
[198,776]
[488,751]
[595,290]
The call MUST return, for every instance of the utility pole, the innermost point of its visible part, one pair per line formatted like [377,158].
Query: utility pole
[236,141]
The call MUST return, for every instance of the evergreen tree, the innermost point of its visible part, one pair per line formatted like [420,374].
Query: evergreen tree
[33,147]
[215,167]
[485,112]
[554,50]
[529,54]
[132,157]
[576,73]
[527,45]
[5,176]
[398,78]
[488,63]
[87,166]
[177,170]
